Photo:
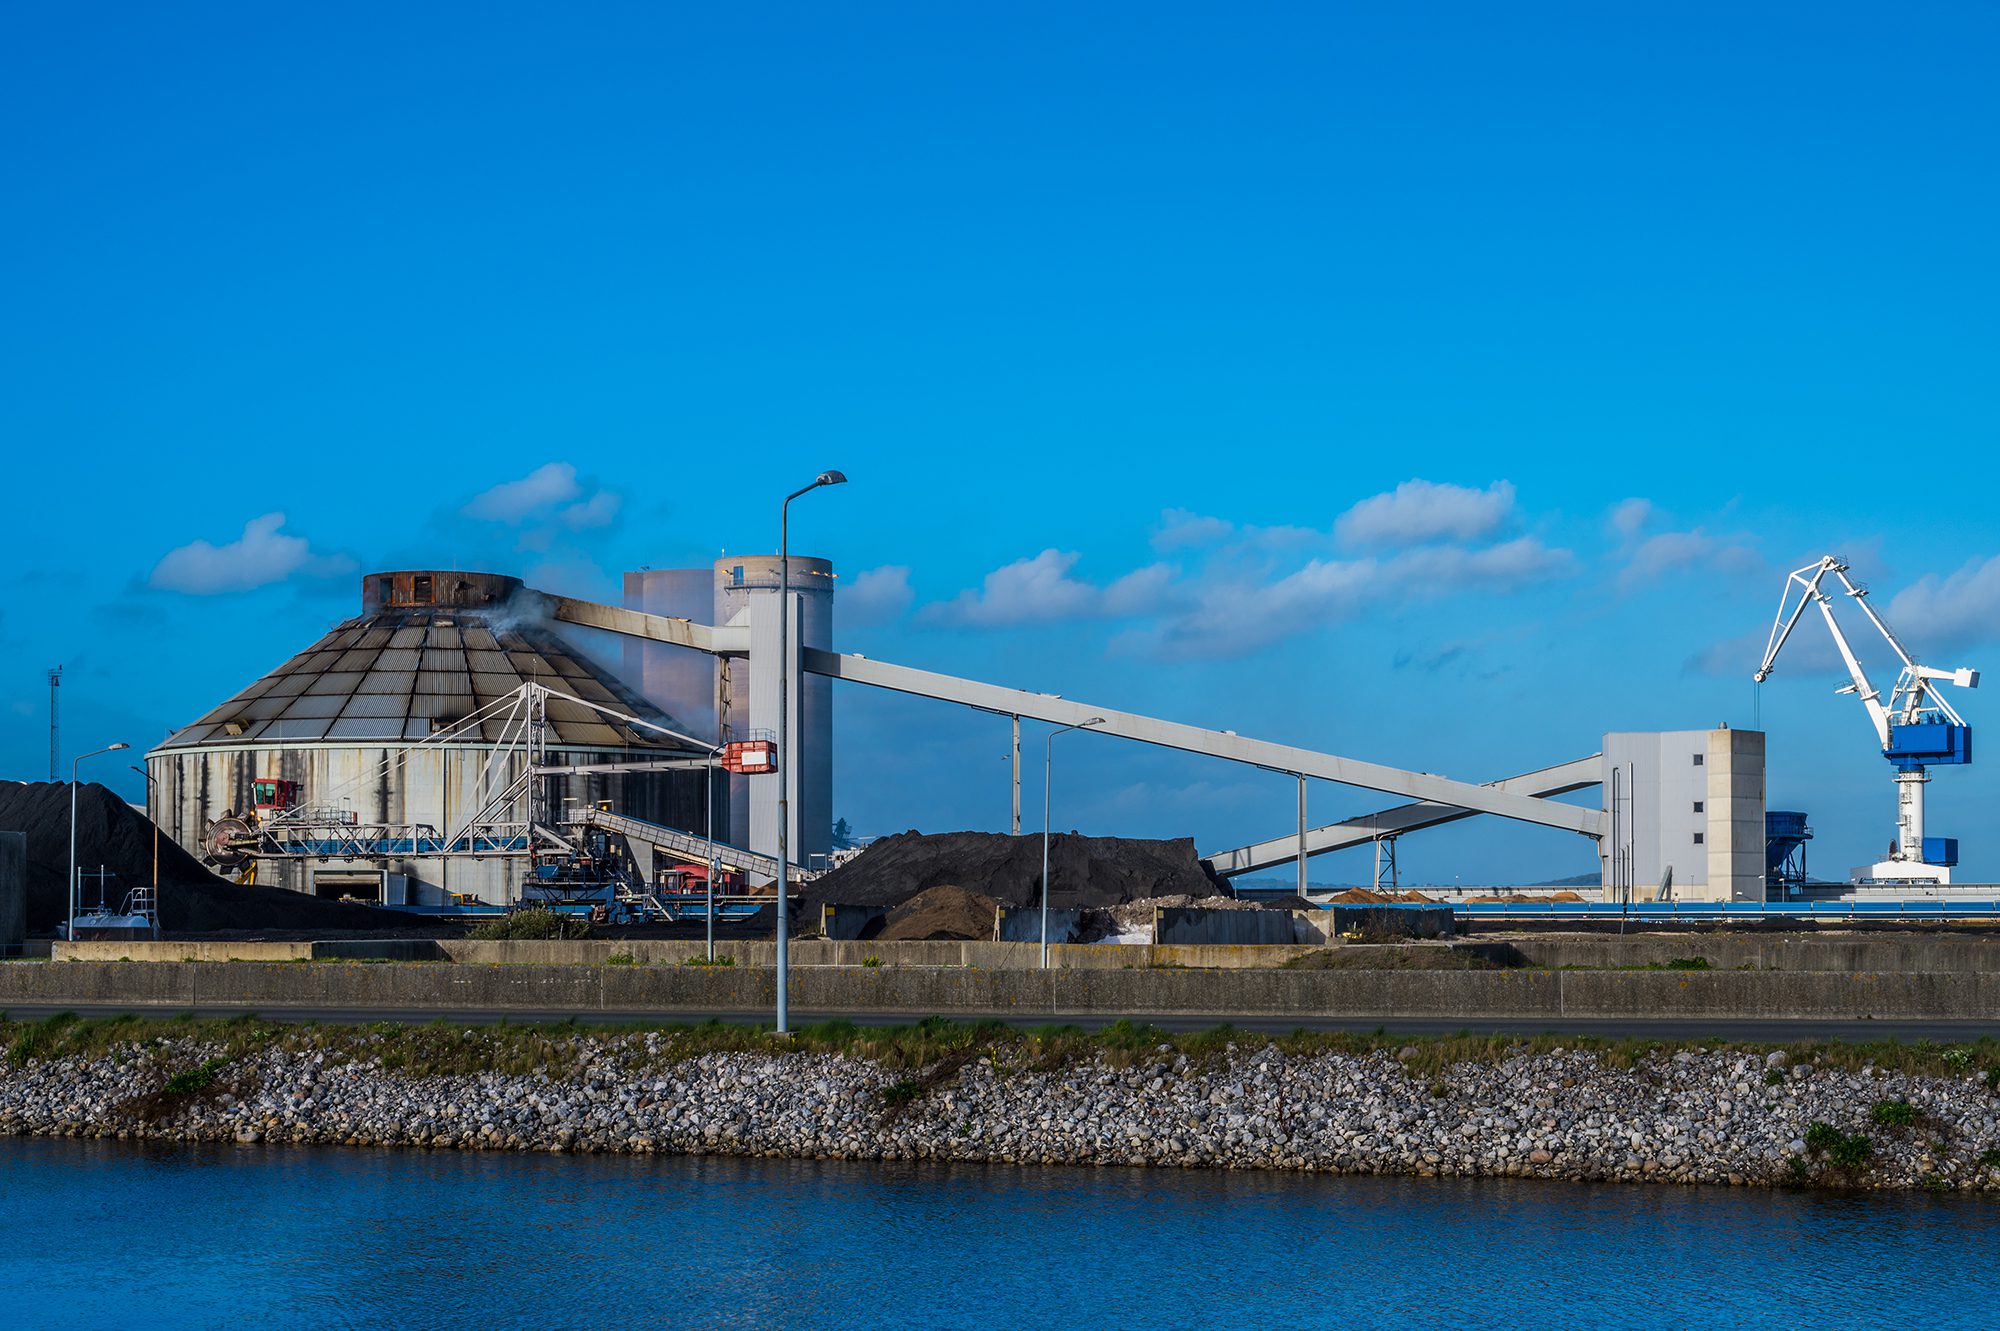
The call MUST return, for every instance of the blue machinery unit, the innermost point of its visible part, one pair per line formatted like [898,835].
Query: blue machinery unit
[1785,837]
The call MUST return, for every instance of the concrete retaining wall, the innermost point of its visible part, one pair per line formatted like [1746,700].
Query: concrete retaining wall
[639,990]
[1958,953]
[1024,925]
[1198,925]
[13,889]
[848,922]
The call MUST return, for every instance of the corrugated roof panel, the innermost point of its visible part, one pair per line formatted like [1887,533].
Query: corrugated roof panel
[590,690]
[444,635]
[494,686]
[356,658]
[495,663]
[388,681]
[398,658]
[478,637]
[560,710]
[531,664]
[443,659]
[289,687]
[365,727]
[342,682]
[445,682]
[325,706]
[453,705]
[259,709]
[375,636]
[376,704]
[410,636]
[584,732]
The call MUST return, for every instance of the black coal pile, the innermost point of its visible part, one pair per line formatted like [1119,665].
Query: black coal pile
[111,834]
[1085,872]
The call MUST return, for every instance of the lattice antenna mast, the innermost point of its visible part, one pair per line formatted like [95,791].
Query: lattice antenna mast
[55,745]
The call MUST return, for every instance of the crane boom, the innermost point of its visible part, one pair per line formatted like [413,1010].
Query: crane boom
[1916,727]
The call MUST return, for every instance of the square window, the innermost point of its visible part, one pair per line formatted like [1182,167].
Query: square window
[1697,759]
[420,592]
[1697,806]
[1697,838]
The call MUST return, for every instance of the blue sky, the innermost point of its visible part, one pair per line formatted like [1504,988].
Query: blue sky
[1443,387]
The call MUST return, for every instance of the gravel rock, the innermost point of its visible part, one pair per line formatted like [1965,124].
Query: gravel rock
[1682,1118]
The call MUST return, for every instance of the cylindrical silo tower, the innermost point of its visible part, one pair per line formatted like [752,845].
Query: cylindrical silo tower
[737,579]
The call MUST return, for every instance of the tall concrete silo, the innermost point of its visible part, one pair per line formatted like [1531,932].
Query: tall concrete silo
[347,725]
[671,677]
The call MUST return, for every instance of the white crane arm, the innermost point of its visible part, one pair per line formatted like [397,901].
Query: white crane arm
[1807,581]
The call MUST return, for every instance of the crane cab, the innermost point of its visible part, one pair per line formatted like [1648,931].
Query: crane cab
[271,794]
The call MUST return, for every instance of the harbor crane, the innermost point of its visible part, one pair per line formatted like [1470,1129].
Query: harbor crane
[1917,727]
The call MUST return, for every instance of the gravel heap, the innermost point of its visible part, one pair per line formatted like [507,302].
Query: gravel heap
[1717,1117]
[1084,871]
[111,834]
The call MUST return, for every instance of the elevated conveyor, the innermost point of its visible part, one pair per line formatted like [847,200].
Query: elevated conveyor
[643,837]
[1558,780]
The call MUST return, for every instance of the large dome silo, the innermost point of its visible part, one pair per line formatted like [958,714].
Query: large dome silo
[349,724]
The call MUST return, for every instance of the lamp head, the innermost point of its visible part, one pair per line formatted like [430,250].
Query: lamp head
[1095,721]
[831,478]
[115,747]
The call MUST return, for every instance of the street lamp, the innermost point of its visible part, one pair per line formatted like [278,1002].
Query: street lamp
[1048,765]
[784,745]
[72,829]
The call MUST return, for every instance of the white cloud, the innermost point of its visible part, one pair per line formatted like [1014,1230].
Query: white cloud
[1041,590]
[1628,517]
[543,488]
[1683,551]
[1959,610]
[1419,511]
[1179,529]
[1236,616]
[262,555]
[876,595]
[600,510]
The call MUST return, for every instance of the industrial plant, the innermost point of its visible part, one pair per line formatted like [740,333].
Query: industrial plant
[449,748]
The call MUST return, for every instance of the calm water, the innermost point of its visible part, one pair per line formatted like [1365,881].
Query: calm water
[114,1235]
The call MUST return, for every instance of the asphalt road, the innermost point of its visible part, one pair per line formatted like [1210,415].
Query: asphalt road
[1751,1029]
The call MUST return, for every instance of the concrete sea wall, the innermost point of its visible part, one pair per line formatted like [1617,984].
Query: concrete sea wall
[947,990]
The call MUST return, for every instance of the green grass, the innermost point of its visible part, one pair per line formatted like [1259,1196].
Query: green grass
[1842,1150]
[704,961]
[1892,1114]
[199,1078]
[531,924]
[558,1049]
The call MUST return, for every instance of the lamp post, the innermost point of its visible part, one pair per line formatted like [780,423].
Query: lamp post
[708,830]
[72,830]
[784,743]
[1048,766]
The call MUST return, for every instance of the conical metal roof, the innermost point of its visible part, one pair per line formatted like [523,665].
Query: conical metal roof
[404,670]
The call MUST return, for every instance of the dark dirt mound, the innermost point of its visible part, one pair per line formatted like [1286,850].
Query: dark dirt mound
[1084,871]
[947,911]
[111,833]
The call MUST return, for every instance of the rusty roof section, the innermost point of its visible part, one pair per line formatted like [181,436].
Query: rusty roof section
[401,672]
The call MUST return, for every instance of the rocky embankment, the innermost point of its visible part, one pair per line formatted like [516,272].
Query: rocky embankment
[1719,1116]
